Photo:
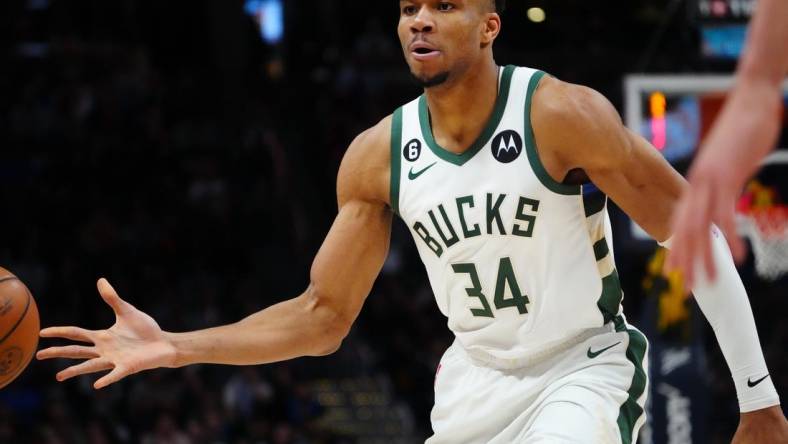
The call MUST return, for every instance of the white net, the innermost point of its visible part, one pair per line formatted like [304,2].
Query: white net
[768,233]
[764,217]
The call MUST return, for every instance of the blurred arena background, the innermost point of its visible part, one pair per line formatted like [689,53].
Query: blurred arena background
[188,151]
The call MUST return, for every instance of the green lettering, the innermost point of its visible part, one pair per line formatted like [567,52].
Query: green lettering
[476,290]
[506,276]
[433,245]
[494,213]
[450,240]
[468,200]
[530,219]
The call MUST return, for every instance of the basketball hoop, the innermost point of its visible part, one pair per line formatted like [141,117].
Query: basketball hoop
[767,229]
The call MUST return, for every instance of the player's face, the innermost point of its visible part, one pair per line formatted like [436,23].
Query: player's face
[442,39]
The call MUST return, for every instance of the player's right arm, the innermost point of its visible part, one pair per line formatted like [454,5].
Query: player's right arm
[311,324]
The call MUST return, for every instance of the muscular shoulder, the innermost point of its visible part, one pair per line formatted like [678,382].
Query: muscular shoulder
[364,172]
[575,124]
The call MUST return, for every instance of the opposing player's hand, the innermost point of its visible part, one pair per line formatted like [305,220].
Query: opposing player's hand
[765,426]
[133,344]
[710,198]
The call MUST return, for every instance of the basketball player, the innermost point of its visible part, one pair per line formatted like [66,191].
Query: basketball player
[741,137]
[490,169]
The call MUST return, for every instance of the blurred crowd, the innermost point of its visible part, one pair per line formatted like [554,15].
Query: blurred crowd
[164,147]
[201,203]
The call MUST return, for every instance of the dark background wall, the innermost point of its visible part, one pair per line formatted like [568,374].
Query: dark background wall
[164,146]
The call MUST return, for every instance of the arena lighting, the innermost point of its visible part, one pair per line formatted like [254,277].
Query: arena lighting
[657,104]
[269,16]
[536,14]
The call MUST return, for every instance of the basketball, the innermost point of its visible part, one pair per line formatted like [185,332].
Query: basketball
[19,326]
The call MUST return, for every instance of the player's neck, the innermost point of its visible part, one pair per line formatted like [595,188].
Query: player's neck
[459,110]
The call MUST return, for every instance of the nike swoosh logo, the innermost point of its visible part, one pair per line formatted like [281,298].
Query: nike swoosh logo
[412,175]
[594,354]
[751,383]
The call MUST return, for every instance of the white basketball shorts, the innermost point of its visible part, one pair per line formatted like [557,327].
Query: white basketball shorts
[591,392]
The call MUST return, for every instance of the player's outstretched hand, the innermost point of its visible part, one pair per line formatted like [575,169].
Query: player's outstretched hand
[133,344]
[710,198]
[765,426]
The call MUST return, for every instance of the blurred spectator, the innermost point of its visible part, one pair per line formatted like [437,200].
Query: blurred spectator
[201,184]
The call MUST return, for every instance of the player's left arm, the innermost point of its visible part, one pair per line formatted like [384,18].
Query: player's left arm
[577,128]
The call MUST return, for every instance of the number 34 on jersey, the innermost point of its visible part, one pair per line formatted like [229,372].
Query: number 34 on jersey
[505,278]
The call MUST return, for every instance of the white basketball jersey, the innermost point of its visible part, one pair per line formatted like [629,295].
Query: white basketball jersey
[518,262]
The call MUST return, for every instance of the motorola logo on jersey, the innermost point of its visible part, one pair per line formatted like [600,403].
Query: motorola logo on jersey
[507,146]
[412,150]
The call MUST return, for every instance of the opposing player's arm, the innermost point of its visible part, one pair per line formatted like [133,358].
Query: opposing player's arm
[749,123]
[311,324]
[742,135]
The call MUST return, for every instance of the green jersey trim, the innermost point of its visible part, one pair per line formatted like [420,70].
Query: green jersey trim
[610,300]
[484,137]
[594,202]
[631,411]
[396,159]
[601,249]
[530,145]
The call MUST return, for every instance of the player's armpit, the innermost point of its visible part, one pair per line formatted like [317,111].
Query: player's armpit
[576,127]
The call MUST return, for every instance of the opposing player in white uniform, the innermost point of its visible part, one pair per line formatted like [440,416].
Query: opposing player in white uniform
[501,175]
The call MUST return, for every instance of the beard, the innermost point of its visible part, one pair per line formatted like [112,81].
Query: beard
[429,82]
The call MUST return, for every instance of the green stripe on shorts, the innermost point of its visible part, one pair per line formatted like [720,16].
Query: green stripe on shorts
[631,411]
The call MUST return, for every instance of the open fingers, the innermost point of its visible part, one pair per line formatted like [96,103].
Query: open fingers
[73,333]
[91,366]
[68,352]
[117,373]
[111,297]
[681,255]
[680,228]
[700,248]
[738,247]
[726,219]
[704,238]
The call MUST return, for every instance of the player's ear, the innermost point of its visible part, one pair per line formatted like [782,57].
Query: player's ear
[490,28]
